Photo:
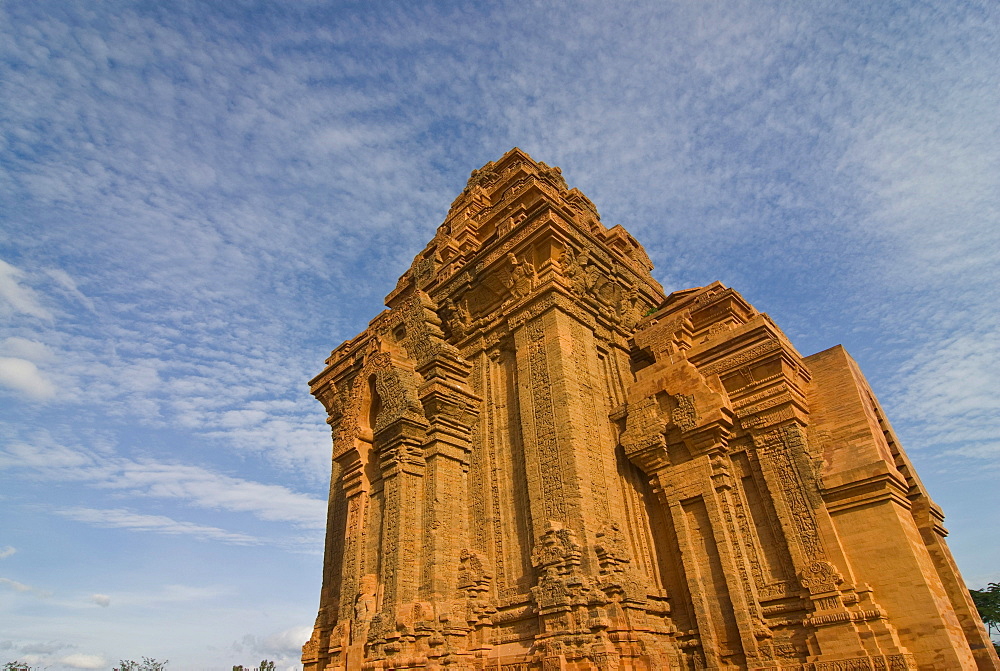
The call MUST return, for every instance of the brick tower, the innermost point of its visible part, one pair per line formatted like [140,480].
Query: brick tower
[542,462]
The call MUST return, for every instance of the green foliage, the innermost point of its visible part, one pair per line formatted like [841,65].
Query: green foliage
[988,604]
[147,664]
[264,666]
[17,666]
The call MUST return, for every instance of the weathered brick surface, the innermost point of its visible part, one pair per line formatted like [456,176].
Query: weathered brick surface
[542,462]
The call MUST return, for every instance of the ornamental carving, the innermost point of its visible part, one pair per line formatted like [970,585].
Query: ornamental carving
[556,551]
[611,548]
[820,576]
[522,277]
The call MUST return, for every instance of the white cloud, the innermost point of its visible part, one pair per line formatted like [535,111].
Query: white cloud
[185,593]
[15,585]
[40,654]
[69,286]
[7,552]
[52,460]
[82,661]
[24,589]
[948,392]
[232,419]
[16,298]
[171,594]
[25,348]
[289,640]
[102,600]
[283,647]
[43,648]
[192,485]
[23,376]
[126,519]
[211,490]
[242,397]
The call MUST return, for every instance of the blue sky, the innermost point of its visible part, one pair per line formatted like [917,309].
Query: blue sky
[198,201]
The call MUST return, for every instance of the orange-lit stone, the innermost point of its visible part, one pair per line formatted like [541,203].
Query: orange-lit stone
[542,462]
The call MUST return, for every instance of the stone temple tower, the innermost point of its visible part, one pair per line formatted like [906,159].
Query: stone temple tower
[540,461]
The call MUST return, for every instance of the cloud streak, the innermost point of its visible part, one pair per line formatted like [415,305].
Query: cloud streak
[191,485]
[22,588]
[23,376]
[15,297]
[82,661]
[126,519]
